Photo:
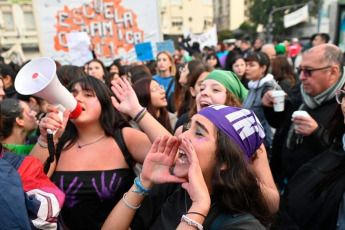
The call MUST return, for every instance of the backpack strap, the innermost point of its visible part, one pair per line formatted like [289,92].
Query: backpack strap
[225,219]
[122,144]
[169,86]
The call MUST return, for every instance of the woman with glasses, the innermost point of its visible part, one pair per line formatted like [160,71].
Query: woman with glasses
[315,194]
[260,82]
[152,96]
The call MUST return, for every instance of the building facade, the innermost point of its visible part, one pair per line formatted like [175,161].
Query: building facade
[194,15]
[18,27]
[230,14]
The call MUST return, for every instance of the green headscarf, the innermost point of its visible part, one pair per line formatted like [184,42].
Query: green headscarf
[230,81]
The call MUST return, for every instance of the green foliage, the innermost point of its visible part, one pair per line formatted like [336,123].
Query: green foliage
[224,34]
[260,10]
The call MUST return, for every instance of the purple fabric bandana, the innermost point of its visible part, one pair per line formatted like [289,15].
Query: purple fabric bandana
[241,125]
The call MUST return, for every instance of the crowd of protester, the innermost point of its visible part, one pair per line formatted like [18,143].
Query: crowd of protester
[197,133]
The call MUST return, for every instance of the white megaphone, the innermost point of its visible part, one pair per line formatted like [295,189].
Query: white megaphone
[38,77]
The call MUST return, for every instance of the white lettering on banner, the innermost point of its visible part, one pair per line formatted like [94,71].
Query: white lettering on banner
[107,11]
[62,17]
[113,26]
[78,19]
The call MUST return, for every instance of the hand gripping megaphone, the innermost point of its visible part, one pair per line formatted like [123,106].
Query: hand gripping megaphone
[38,77]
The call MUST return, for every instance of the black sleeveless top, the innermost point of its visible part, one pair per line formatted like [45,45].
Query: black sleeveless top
[91,195]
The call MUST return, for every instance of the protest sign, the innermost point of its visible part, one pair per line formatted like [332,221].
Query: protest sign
[166,46]
[144,51]
[114,27]
[209,38]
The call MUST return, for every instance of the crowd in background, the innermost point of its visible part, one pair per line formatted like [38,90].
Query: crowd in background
[290,177]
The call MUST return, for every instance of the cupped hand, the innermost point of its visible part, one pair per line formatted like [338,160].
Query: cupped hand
[305,125]
[127,102]
[53,122]
[158,162]
[196,185]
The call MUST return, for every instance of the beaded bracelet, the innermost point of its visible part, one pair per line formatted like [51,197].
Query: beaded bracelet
[140,189]
[128,205]
[191,222]
[138,114]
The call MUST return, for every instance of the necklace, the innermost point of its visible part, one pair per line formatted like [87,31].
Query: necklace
[81,146]
[185,201]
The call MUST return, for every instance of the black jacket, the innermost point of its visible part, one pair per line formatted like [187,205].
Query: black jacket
[285,162]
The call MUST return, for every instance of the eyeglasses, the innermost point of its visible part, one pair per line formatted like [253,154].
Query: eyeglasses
[339,95]
[158,87]
[308,72]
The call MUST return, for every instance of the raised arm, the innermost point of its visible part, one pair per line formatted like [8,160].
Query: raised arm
[128,103]
[262,170]
[156,170]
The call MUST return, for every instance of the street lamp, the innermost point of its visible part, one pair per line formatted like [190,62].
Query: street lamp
[270,16]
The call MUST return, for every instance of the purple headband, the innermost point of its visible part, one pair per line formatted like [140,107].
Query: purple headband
[241,125]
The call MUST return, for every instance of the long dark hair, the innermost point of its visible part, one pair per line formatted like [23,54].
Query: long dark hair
[10,109]
[102,65]
[110,118]
[143,92]
[236,188]
[214,55]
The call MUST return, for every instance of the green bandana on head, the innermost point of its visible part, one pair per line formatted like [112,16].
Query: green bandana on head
[230,81]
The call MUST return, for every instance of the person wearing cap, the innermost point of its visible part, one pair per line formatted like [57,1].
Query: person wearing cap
[260,82]
[219,88]
[297,140]
[212,186]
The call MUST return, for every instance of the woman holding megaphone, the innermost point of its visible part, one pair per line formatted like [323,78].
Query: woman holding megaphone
[95,154]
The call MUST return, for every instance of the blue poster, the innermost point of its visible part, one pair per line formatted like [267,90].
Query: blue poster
[144,51]
[166,46]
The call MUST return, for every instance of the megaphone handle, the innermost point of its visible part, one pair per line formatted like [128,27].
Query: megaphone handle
[60,114]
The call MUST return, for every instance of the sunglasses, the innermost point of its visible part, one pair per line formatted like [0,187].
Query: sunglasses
[339,95]
[308,72]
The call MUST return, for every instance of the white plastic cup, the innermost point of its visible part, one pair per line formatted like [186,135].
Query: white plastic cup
[279,96]
[300,113]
